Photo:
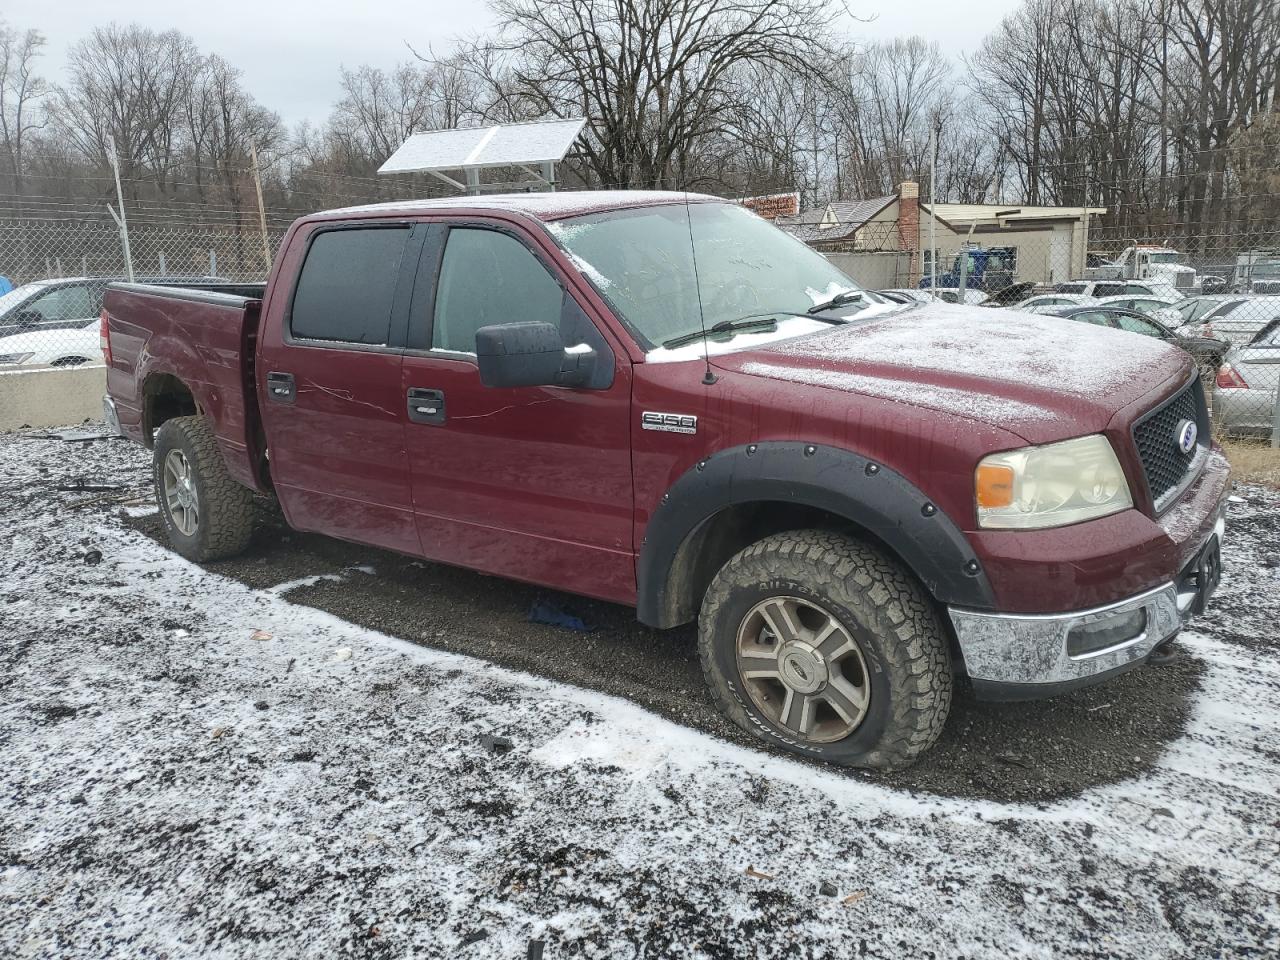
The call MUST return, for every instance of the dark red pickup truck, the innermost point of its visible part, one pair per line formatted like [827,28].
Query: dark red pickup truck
[666,402]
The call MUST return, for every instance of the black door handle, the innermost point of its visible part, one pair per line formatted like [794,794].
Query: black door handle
[426,406]
[280,388]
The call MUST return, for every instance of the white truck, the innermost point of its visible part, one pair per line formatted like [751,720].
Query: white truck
[1158,265]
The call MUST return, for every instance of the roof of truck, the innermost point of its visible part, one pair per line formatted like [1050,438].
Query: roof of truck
[543,206]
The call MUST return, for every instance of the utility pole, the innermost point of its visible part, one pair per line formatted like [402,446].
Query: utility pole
[933,214]
[118,216]
[262,211]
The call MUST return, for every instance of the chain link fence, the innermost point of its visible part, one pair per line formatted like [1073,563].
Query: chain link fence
[59,270]
[1216,296]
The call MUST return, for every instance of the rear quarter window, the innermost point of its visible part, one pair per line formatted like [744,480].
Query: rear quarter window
[347,285]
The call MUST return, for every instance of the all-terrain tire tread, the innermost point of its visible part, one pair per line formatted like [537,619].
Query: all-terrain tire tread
[915,644]
[225,506]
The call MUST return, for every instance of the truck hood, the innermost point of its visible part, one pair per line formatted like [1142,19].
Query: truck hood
[1042,378]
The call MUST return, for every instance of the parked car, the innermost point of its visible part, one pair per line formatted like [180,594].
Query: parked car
[1244,395]
[971,296]
[1207,351]
[907,296]
[1162,308]
[856,499]
[65,303]
[1234,317]
[1120,288]
[64,346]
[1052,302]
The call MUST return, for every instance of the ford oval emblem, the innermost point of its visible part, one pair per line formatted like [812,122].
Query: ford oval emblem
[1186,435]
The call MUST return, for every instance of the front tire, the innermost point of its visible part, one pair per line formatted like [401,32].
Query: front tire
[207,514]
[823,646]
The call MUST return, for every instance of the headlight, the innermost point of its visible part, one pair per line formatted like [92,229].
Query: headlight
[1051,486]
[15,357]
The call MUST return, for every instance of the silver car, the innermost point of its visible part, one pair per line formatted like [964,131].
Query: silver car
[1244,395]
[1236,317]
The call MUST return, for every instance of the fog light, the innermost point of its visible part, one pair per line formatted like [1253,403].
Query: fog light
[1108,632]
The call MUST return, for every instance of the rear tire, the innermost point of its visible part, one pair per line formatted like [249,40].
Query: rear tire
[823,646]
[207,514]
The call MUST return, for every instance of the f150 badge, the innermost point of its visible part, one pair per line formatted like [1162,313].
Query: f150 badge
[669,422]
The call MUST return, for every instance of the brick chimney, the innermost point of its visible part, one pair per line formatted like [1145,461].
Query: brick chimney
[909,226]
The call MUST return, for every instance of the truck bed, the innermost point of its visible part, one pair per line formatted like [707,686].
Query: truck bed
[201,335]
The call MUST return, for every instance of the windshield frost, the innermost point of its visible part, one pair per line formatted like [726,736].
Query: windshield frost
[640,262]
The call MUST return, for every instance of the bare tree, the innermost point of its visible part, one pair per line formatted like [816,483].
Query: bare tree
[656,79]
[21,94]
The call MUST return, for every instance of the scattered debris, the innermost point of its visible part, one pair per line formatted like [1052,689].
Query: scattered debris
[854,897]
[535,950]
[552,614]
[81,487]
[93,558]
[475,936]
[342,653]
[262,705]
[827,889]
[753,872]
[1101,706]
[1014,760]
[218,731]
[260,635]
[496,744]
[289,668]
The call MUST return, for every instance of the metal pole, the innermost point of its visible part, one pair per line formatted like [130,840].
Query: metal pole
[119,217]
[262,211]
[933,216]
[1275,418]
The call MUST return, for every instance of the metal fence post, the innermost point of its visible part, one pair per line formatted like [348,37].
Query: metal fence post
[1275,418]
[119,217]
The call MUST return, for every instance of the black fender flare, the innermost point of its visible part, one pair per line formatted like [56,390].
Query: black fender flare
[868,494]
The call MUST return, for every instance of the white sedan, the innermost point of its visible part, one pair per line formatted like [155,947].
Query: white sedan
[67,347]
[1051,302]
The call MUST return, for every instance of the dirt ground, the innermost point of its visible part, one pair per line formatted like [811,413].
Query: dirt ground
[175,787]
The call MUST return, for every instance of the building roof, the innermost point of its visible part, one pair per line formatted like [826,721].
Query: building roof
[543,206]
[838,220]
[969,212]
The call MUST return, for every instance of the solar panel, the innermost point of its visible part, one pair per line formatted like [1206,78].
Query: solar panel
[497,146]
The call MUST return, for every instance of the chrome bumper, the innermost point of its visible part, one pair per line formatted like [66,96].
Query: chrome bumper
[109,414]
[1032,651]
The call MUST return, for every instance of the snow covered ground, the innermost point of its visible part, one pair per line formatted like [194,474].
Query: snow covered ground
[192,767]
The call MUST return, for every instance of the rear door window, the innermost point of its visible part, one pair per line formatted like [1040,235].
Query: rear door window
[1112,290]
[1096,317]
[347,285]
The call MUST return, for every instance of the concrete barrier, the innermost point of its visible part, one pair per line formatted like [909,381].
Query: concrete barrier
[51,397]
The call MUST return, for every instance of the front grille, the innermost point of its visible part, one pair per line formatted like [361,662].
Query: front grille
[1183,280]
[1157,434]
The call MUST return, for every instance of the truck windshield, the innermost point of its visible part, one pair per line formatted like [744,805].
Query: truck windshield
[640,260]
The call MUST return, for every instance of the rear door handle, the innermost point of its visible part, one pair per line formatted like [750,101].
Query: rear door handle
[426,406]
[281,388]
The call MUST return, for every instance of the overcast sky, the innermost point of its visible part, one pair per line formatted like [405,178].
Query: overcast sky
[290,50]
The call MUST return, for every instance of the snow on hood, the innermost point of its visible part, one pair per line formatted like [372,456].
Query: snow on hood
[1043,378]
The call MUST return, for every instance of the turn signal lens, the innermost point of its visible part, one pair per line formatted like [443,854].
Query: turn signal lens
[994,485]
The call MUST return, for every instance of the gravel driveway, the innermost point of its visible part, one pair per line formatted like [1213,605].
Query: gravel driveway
[324,750]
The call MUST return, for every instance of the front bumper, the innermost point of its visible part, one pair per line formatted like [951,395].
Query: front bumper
[1029,656]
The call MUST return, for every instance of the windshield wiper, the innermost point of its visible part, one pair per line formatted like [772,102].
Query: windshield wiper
[839,300]
[724,326]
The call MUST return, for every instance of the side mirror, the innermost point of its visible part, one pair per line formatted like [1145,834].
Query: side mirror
[530,355]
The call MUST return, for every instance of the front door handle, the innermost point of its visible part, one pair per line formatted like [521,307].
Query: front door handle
[426,406]
[281,388]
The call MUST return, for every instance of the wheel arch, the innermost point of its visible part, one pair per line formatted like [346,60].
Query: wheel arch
[741,495]
[164,397]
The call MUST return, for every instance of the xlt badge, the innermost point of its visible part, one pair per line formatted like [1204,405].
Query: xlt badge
[669,422]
